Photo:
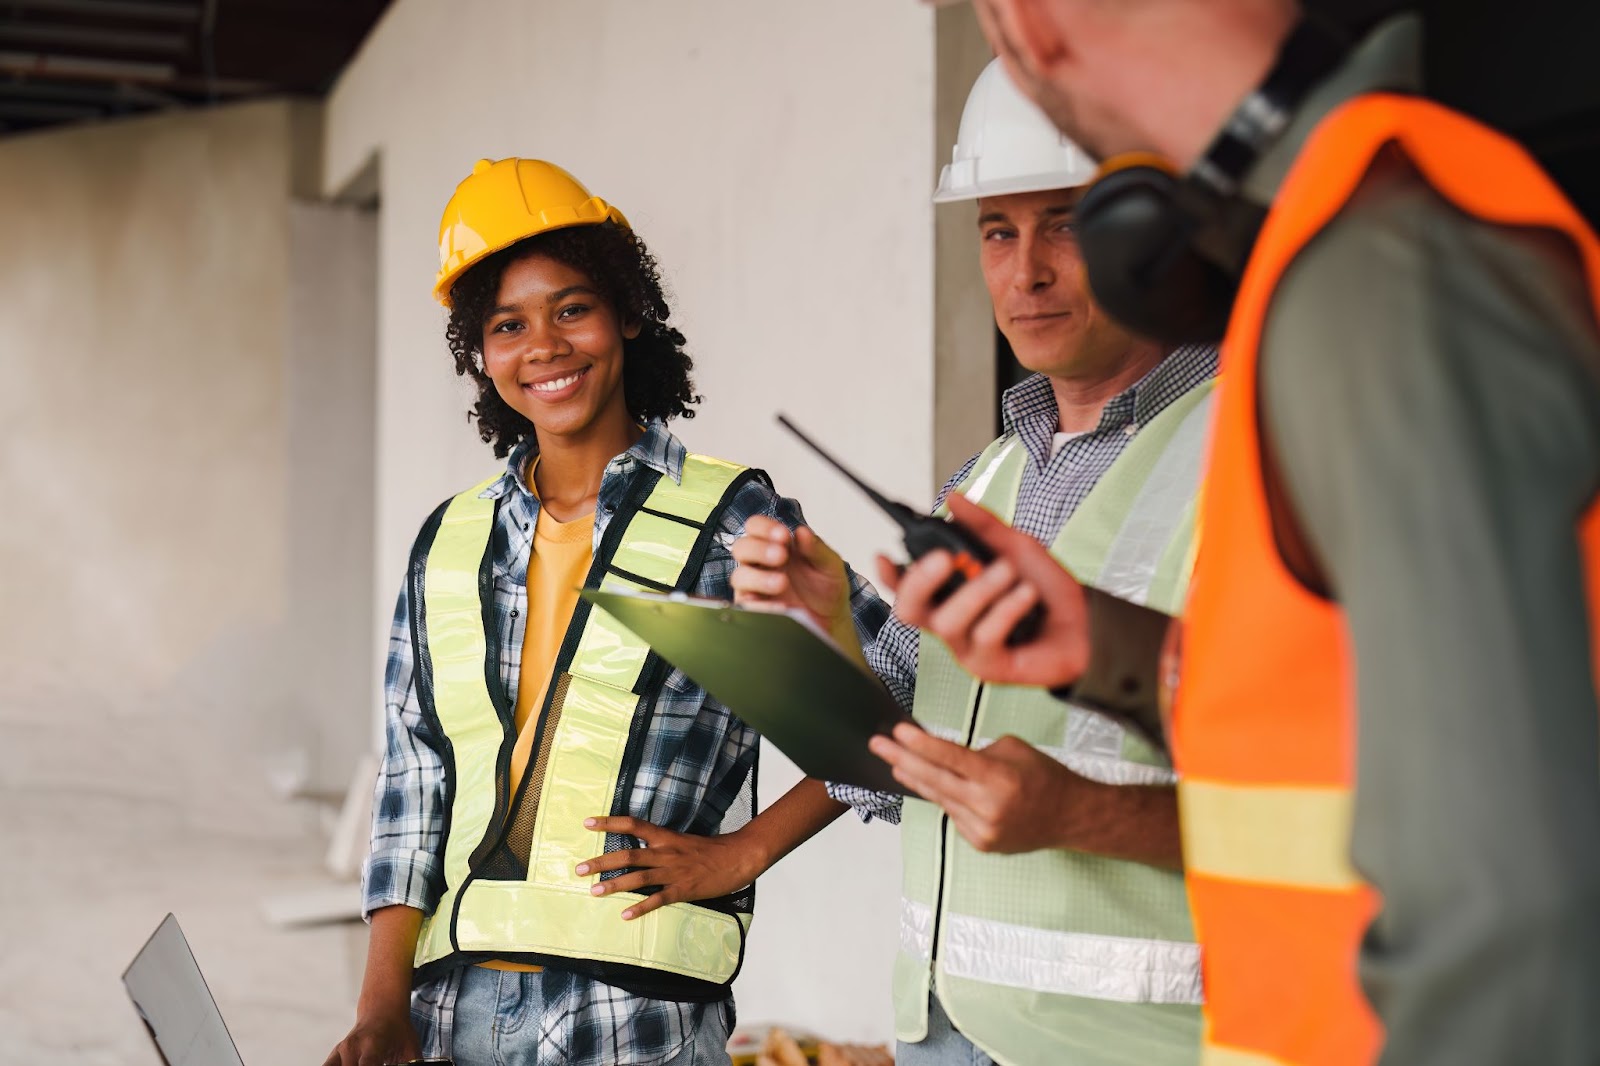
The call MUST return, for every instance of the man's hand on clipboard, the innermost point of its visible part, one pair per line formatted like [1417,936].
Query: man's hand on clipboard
[778,569]
[1006,799]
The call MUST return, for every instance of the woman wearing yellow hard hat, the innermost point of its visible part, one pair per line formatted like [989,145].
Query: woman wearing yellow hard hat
[563,853]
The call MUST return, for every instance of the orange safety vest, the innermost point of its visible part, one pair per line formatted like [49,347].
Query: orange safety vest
[1266,753]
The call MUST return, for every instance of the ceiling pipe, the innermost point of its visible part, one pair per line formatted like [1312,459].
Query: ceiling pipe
[39,33]
[104,95]
[31,111]
[45,65]
[115,10]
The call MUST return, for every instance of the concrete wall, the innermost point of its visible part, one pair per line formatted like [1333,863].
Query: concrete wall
[965,397]
[778,159]
[331,405]
[158,505]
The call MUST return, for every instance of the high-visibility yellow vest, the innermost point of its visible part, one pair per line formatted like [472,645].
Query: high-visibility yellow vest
[510,892]
[1059,956]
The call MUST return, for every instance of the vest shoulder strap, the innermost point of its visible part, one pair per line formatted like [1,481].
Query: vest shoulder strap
[995,477]
[1119,537]
[660,544]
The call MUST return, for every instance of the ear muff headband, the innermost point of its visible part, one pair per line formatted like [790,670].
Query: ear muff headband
[1149,236]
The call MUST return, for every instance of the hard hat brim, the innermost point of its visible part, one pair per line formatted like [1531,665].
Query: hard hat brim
[442,287]
[947,193]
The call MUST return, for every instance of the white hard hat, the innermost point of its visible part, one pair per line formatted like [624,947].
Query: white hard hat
[1006,145]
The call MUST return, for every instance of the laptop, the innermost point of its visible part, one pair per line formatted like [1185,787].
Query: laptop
[176,1006]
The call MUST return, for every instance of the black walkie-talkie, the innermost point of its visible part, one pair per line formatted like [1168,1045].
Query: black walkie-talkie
[925,533]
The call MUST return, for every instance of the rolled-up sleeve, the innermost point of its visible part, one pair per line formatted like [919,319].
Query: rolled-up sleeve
[408,815]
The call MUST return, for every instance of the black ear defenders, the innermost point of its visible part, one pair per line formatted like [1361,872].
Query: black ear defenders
[1164,251]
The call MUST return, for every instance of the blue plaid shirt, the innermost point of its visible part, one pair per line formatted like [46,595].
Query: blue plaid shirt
[697,758]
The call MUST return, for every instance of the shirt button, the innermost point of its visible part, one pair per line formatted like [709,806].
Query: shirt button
[1130,429]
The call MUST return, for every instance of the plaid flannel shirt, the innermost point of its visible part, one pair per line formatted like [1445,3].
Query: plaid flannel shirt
[1053,485]
[697,759]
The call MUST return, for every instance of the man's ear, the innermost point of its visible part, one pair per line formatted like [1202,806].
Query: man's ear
[1028,33]
[631,329]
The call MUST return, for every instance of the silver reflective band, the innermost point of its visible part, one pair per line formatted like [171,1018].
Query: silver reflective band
[1123,969]
[1108,770]
[980,484]
[1093,749]
[916,929]
[1157,511]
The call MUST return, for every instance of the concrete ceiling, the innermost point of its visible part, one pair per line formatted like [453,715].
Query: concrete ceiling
[80,60]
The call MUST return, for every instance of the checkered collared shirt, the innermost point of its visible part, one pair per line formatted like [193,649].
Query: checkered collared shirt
[1052,487]
[697,759]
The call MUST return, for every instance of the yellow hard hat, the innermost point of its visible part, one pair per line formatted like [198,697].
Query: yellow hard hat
[503,201]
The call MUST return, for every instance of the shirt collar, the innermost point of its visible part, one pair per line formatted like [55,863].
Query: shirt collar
[1031,404]
[1388,59]
[657,449]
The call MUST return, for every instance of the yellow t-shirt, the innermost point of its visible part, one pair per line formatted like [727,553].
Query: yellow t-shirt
[557,567]
[562,555]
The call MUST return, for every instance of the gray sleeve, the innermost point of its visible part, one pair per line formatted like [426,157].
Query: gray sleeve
[1431,393]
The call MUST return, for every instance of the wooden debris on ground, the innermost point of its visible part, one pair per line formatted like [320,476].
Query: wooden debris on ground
[781,1049]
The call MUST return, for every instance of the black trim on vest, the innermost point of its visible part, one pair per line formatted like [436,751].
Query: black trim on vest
[654,672]
[639,980]
[495,685]
[422,661]
[682,521]
[638,579]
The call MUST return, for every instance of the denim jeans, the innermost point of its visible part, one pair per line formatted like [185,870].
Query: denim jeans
[500,1017]
[943,1046]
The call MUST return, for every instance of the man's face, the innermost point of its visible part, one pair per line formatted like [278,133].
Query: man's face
[1039,289]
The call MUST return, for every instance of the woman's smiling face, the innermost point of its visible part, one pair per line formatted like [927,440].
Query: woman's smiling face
[553,346]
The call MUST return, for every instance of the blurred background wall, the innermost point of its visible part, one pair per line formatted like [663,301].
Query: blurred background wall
[186,457]
[226,405]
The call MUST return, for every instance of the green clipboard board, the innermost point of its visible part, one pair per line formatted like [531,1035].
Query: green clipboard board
[776,671]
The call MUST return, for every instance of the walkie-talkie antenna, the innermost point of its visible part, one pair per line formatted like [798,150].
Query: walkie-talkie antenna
[928,533]
[877,497]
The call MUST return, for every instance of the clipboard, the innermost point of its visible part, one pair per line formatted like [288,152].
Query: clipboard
[775,670]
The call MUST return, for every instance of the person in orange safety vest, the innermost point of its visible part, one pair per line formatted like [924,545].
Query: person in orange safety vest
[1385,714]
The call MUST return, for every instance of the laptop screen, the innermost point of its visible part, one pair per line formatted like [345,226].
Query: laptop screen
[171,996]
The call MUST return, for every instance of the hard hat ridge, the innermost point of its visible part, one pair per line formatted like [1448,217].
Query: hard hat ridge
[1006,145]
[504,201]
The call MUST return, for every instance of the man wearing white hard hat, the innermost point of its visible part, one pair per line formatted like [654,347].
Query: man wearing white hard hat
[1044,916]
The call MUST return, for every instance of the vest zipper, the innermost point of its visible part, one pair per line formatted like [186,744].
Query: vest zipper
[944,828]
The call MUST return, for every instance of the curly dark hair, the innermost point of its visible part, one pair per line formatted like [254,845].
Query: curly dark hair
[655,368]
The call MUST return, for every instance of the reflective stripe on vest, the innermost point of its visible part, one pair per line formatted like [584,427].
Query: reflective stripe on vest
[575,775]
[1265,739]
[1036,953]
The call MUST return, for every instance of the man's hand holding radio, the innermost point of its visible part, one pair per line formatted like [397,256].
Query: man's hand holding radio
[777,570]
[976,620]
